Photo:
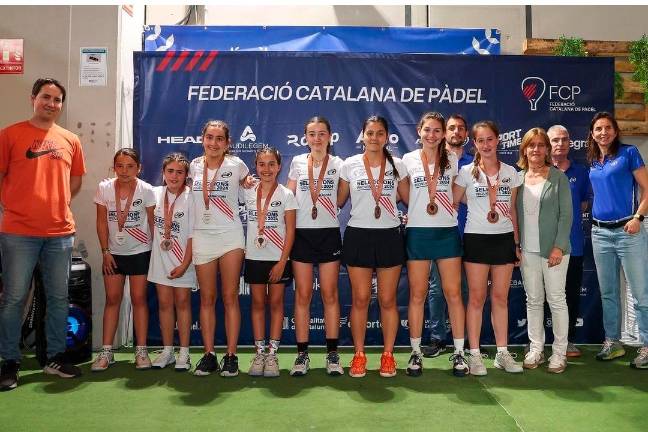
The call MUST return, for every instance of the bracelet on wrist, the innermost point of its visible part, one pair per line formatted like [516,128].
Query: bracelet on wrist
[105,250]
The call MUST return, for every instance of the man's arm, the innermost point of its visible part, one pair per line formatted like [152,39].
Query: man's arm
[75,184]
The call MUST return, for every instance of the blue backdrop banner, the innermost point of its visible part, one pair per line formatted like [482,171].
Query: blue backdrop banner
[267,96]
[329,39]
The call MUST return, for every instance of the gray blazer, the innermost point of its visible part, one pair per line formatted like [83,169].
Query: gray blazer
[555,217]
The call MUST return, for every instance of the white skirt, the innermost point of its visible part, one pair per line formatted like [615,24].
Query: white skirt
[209,245]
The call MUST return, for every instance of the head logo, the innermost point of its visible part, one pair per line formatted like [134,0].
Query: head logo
[532,89]
[226,174]
[137,202]
[247,135]
[275,204]
[178,215]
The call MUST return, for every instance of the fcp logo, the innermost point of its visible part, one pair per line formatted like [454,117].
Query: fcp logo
[532,89]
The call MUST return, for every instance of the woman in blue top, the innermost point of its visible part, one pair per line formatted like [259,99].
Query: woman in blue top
[618,236]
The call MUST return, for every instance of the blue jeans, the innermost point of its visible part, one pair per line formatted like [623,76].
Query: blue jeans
[437,306]
[614,247]
[19,257]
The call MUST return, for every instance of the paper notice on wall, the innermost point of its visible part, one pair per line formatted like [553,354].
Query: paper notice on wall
[11,56]
[93,68]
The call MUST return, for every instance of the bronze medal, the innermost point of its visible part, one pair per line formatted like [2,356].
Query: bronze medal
[376,189]
[165,245]
[377,211]
[432,209]
[260,241]
[314,212]
[262,211]
[492,216]
[315,190]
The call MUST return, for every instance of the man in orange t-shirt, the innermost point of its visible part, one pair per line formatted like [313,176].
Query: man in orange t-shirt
[41,166]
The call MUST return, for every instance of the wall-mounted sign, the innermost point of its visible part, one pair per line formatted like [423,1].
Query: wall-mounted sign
[93,69]
[12,60]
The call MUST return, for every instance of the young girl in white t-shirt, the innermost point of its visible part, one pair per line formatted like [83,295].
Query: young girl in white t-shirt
[171,269]
[124,224]
[270,235]
[491,243]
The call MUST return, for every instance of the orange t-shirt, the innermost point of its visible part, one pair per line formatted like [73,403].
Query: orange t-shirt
[37,165]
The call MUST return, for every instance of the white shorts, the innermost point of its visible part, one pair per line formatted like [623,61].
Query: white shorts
[209,245]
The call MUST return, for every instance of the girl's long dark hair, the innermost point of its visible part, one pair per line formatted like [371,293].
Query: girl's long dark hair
[593,150]
[383,122]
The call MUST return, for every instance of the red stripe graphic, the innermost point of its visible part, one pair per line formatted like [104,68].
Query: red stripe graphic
[387,204]
[445,202]
[222,205]
[177,250]
[504,209]
[210,58]
[274,237]
[181,58]
[138,234]
[165,61]
[328,206]
[196,57]
[529,91]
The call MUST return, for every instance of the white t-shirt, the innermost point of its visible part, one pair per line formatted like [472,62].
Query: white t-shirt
[417,215]
[478,203]
[362,200]
[136,229]
[162,262]
[327,210]
[224,196]
[531,234]
[275,223]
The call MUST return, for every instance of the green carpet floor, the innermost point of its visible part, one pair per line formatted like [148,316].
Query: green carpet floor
[589,396]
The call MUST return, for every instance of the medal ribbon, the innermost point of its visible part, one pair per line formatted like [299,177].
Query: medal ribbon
[168,211]
[315,190]
[261,213]
[206,187]
[376,190]
[492,188]
[122,215]
[431,181]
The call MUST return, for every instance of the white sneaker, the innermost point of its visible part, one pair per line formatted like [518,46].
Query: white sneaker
[271,366]
[476,364]
[333,366]
[183,362]
[504,360]
[142,360]
[533,359]
[557,364]
[301,366]
[258,364]
[104,359]
[163,359]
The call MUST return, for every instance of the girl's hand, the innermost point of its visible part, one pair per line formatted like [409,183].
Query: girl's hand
[632,226]
[109,265]
[248,182]
[276,272]
[177,272]
[555,257]
[518,256]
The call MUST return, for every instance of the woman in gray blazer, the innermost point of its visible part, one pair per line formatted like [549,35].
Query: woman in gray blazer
[544,217]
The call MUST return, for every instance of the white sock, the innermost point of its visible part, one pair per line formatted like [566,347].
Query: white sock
[416,344]
[168,349]
[458,345]
[184,350]
[106,347]
[260,346]
[475,352]
[502,349]
[273,346]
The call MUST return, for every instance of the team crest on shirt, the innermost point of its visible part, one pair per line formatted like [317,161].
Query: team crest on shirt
[178,215]
[506,180]
[226,174]
[331,171]
[275,203]
[137,202]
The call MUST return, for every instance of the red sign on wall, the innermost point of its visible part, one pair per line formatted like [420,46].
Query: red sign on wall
[11,56]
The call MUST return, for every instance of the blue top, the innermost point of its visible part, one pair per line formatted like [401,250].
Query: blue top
[462,214]
[614,184]
[581,191]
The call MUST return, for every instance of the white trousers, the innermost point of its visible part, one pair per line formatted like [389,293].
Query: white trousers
[540,282]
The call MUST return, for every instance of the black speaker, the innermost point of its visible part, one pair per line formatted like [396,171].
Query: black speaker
[79,322]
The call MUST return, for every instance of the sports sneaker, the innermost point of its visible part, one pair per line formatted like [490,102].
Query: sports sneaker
[206,365]
[271,366]
[387,365]
[557,363]
[104,359]
[504,360]
[459,364]
[476,364]
[610,350]
[358,367]
[572,350]
[258,364]
[163,359]
[533,359]
[58,365]
[142,360]
[434,349]
[9,375]
[229,366]
[183,362]
[333,366]
[301,366]
[641,361]
[414,365]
